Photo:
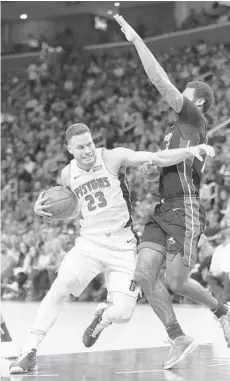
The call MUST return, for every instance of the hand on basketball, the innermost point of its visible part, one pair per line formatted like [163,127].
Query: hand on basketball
[39,208]
[128,31]
[202,149]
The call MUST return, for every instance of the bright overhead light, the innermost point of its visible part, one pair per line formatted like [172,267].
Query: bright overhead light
[117,4]
[23,16]
[110,12]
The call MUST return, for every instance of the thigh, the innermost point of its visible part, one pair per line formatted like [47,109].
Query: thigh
[177,270]
[151,251]
[184,223]
[78,268]
[154,237]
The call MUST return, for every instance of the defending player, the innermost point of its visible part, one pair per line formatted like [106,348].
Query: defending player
[178,221]
[106,243]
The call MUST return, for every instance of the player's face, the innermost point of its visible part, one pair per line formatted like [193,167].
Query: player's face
[189,93]
[83,149]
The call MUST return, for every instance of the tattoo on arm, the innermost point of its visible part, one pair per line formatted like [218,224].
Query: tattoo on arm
[158,76]
[169,92]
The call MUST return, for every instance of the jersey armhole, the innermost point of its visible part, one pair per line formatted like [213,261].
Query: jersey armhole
[108,169]
[69,178]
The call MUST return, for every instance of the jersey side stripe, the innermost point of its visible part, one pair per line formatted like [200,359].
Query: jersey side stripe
[126,195]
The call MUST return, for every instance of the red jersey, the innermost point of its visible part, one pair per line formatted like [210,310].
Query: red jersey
[190,129]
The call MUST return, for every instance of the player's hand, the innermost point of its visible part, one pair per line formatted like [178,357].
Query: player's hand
[39,208]
[202,149]
[147,168]
[128,31]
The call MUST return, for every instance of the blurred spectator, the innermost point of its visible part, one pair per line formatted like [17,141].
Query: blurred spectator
[218,277]
[115,98]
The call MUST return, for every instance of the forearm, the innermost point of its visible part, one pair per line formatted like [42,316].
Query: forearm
[158,76]
[152,68]
[173,156]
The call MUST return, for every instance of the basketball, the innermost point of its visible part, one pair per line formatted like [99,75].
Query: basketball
[62,201]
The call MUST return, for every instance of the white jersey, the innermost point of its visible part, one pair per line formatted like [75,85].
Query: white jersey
[103,197]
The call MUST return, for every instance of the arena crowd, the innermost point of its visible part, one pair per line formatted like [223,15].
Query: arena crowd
[114,97]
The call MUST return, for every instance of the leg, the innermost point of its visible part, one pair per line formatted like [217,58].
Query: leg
[75,273]
[122,289]
[215,286]
[179,282]
[8,347]
[150,260]
[151,257]
[226,291]
[177,275]
[5,335]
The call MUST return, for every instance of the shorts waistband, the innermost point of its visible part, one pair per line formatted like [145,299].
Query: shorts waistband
[107,232]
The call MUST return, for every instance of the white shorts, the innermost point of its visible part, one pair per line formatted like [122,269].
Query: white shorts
[114,254]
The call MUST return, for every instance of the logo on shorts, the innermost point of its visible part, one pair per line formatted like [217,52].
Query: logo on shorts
[133,285]
[174,209]
[171,241]
[130,240]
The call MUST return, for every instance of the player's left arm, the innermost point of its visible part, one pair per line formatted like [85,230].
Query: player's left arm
[152,68]
[127,157]
[65,180]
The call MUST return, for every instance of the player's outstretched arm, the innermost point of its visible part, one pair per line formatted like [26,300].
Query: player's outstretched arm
[127,157]
[152,68]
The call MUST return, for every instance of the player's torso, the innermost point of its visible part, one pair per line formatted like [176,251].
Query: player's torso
[103,197]
[183,178]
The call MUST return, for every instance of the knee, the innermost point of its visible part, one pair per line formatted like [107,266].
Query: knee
[60,287]
[120,316]
[122,312]
[176,284]
[143,269]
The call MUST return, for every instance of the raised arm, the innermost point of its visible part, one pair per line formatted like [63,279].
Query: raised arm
[119,157]
[152,68]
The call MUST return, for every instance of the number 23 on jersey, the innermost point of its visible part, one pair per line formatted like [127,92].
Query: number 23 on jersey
[96,201]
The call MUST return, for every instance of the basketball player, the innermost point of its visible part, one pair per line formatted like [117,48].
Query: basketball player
[178,221]
[8,347]
[106,242]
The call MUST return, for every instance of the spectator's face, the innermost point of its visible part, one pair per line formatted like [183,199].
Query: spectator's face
[223,195]
[22,247]
[189,93]
[83,149]
[32,251]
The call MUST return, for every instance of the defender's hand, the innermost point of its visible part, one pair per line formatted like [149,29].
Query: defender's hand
[39,208]
[202,149]
[147,168]
[128,31]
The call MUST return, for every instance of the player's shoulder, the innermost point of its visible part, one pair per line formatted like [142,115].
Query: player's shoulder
[111,158]
[190,112]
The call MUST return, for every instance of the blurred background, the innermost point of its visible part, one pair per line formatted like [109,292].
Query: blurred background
[68,62]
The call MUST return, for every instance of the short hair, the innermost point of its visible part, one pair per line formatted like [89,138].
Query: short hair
[202,90]
[76,130]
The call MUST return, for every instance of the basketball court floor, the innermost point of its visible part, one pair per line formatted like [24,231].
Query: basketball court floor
[129,352]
